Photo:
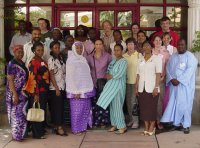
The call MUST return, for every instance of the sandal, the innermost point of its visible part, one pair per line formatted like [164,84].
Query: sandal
[121,131]
[61,132]
[112,129]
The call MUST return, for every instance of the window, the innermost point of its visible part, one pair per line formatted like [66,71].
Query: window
[128,1]
[106,15]
[67,19]
[105,1]
[152,1]
[85,18]
[124,19]
[84,1]
[39,1]
[177,1]
[15,1]
[63,1]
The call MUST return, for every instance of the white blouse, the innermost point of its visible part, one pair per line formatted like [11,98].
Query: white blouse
[59,73]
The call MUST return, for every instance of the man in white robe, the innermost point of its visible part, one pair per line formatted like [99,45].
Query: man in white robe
[180,78]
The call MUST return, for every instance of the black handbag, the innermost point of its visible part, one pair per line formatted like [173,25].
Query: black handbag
[136,109]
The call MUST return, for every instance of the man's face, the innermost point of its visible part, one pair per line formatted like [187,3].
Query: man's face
[36,35]
[22,26]
[56,34]
[165,25]
[92,34]
[42,24]
[181,47]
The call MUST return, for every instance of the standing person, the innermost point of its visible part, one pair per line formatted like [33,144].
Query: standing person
[114,91]
[107,35]
[118,39]
[81,33]
[141,38]
[80,94]
[135,27]
[89,44]
[37,86]
[69,41]
[16,100]
[98,62]
[28,54]
[165,25]
[57,87]
[162,52]
[147,88]
[132,57]
[181,80]
[44,26]
[21,37]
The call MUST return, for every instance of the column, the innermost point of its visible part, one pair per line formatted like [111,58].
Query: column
[1,28]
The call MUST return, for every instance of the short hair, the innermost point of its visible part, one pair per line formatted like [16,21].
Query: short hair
[131,40]
[118,31]
[68,36]
[107,21]
[165,34]
[35,28]
[35,45]
[182,39]
[46,21]
[53,43]
[119,45]
[164,18]
[135,23]
[157,23]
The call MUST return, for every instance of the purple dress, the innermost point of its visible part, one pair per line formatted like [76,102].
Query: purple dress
[81,111]
[17,113]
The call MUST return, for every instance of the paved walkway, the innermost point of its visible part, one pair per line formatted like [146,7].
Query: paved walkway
[103,139]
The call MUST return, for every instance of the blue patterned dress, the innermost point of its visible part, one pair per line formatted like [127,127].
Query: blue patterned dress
[17,113]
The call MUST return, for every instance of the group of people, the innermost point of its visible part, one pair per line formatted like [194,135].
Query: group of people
[108,81]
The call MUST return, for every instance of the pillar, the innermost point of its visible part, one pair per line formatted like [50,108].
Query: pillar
[2,28]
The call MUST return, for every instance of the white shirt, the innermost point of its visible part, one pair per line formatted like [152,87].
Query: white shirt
[19,39]
[59,73]
[48,42]
[112,45]
[28,54]
[147,73]
[170,48]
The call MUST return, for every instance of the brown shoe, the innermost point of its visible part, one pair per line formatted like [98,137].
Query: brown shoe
[121,131]
[112,129]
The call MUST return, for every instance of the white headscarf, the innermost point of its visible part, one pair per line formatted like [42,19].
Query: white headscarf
[78,77]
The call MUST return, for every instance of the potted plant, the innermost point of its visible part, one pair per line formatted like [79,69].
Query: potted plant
[2,71]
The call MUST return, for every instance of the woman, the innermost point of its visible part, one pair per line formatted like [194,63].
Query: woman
[16,99]
[98,62]
[147,88]
[135,27]
[107,35]
[114,91]
[80,89]
[141,38]
[57,87]
[118,39]
[37,86]
[132,57]
[81,33]
[160,51]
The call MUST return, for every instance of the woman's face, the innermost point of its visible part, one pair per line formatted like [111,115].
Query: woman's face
[135,29]
[39,51]
[79,50]
[117,36]
[118,51]
[80,31]
[98,45]
[157,42]
[131,46]
[166,40]
[19,54]
[141,37]
[56,49]
[56,34]
[147,48]
[107,26]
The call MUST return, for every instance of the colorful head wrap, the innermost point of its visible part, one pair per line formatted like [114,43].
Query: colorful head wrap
[17,47]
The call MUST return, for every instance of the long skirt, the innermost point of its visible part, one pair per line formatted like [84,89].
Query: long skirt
[38,128]
[148,106]
[17,115]
[57,107]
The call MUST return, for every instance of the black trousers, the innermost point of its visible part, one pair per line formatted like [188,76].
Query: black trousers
[57,107]
[38,128]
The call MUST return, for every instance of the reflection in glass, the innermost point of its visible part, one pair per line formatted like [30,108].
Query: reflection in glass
[106,15]
[84,1]
[148,15]
[176,15]
[152,1]
[105,1]
[67,19]
[127,1]
[40,1]
[85,18]
[15,1]
[63,1]
[124,19]
[37,12]
[177,1]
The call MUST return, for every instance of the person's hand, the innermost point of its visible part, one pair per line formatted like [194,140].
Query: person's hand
[108,76]
[36,98]
[136,92]
[77,96]
[15,99]
[155,92]
[57,92]
[175,82]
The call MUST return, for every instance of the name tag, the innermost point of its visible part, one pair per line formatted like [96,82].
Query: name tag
[182,65]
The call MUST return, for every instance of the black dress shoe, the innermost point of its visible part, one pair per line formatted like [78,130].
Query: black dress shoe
[186,130]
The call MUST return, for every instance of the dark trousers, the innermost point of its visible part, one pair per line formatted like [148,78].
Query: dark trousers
[57,107]
[38,128]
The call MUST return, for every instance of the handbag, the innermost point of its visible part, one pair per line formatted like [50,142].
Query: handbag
[35,114]
[136,109]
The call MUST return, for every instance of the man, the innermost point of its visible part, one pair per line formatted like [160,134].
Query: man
[69,41]
[44,26]
[181,79]
[28,54]
[20,38]
[165,24]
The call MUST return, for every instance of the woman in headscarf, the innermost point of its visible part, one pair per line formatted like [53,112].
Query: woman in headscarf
[80,89]
[16,100]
